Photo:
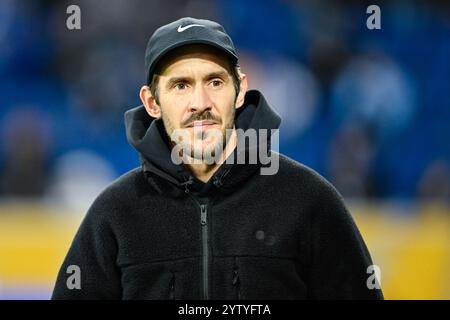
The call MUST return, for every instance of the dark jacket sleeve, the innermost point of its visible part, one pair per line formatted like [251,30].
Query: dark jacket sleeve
[339,257]
[94,253]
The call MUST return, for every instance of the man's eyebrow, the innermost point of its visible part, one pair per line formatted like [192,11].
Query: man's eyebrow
[217,74]
[174,80]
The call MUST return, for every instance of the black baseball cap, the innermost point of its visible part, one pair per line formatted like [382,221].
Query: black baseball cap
[183,32]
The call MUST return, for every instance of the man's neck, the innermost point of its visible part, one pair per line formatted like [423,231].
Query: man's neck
[204,171]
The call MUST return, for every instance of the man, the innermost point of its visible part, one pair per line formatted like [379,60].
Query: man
[185,227]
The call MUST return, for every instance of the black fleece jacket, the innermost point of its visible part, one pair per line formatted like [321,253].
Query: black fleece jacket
[159,233]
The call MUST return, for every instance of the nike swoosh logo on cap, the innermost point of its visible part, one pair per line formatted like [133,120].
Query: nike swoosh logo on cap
[181,29]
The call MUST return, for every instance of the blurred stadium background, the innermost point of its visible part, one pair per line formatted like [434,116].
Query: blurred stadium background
[369,110]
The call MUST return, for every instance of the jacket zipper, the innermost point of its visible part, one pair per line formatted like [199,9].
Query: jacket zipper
[205,245]
[172,287]
[205,249]
[236,282]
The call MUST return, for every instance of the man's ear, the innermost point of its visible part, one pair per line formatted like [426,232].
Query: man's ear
[242,90]
[148,100]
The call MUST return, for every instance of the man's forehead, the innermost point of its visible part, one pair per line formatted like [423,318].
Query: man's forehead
[199,57]
[193,66]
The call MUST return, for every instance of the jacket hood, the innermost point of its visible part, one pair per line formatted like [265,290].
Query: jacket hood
[148,136]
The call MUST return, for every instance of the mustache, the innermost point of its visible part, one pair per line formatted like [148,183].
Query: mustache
[207,115]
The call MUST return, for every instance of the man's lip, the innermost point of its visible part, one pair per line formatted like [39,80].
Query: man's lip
[201,123]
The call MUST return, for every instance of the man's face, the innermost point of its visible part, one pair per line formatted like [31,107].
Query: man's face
[197,94]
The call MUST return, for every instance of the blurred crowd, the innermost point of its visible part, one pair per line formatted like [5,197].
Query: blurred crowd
[368,109]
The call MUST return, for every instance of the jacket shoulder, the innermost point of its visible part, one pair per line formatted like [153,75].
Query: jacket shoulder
[292,169]
[306,182]
[120,193]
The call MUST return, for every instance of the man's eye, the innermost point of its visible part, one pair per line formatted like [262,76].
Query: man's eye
[180,86]
[216,83]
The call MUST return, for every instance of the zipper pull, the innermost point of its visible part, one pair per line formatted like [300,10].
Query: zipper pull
[203,214]
[235,277]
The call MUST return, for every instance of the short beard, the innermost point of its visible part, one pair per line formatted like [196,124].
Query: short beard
[207,154]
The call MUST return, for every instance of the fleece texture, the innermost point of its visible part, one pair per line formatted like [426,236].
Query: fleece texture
[282,236]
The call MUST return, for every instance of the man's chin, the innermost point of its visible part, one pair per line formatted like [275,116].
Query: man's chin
[209,152]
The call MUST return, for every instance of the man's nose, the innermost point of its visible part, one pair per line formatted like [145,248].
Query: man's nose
[200,100]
